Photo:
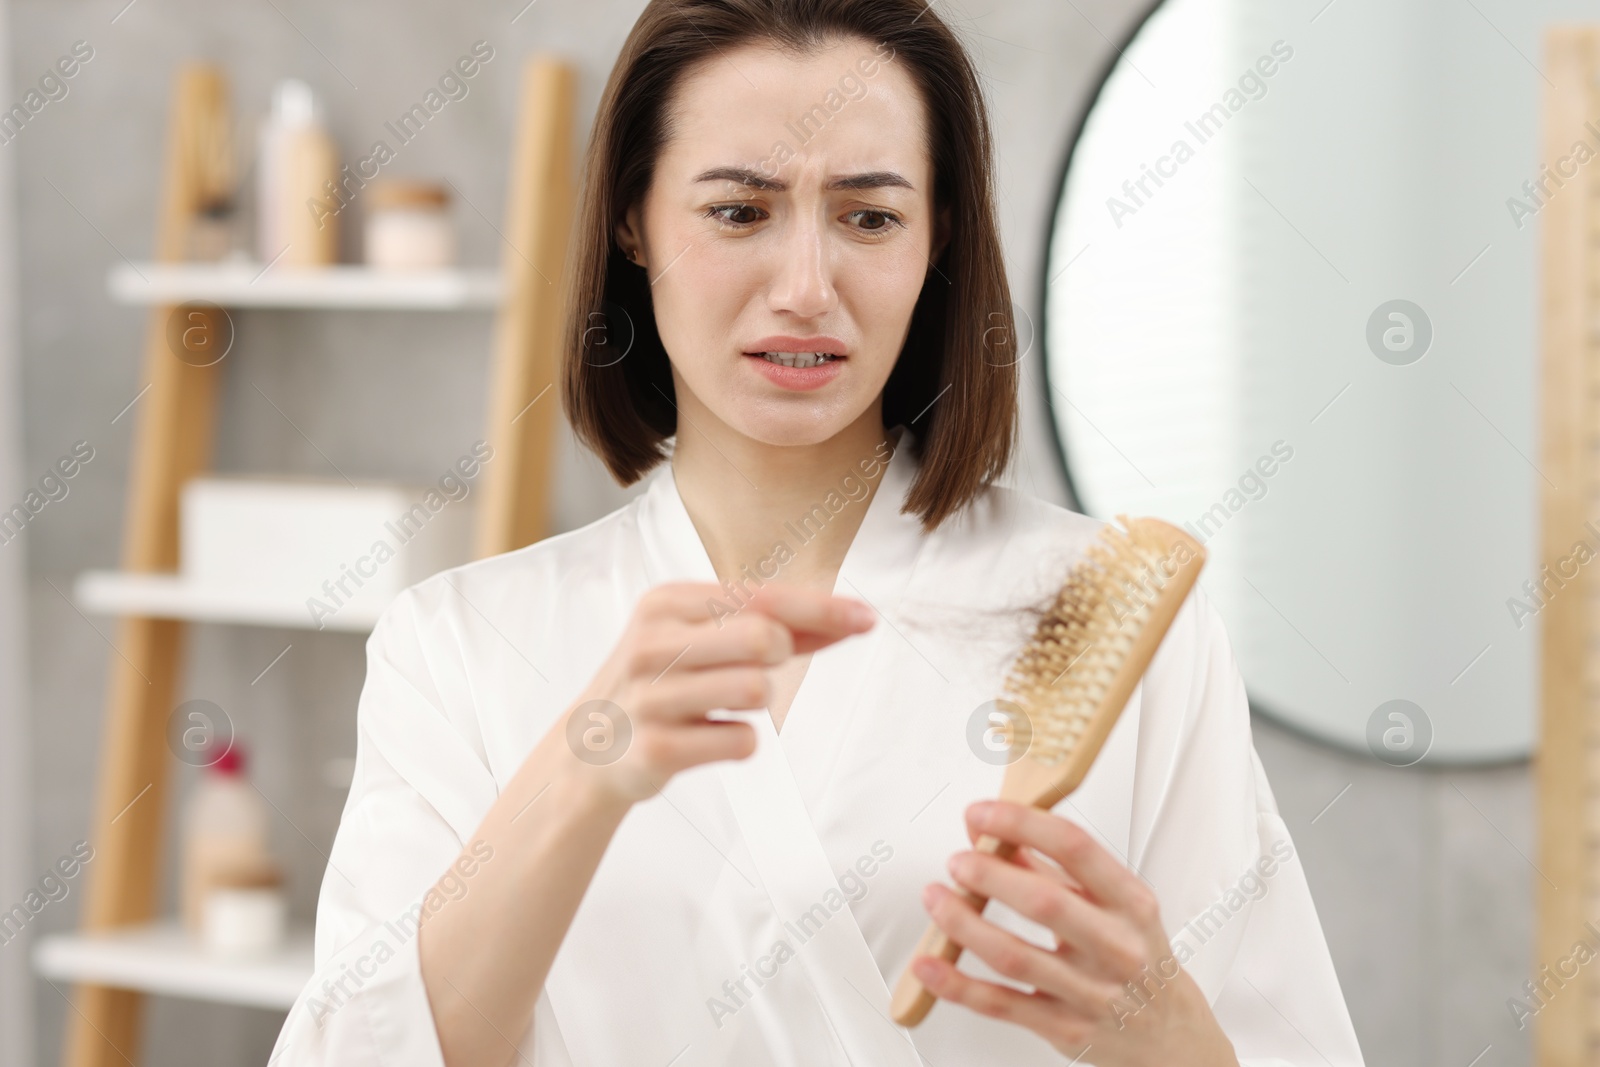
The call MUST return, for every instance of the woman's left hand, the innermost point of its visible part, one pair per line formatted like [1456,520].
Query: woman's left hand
[1108,926]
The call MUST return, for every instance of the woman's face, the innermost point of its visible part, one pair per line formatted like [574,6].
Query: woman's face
[790,211]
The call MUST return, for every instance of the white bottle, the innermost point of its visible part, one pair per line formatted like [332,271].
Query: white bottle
[295,156]
[224,834]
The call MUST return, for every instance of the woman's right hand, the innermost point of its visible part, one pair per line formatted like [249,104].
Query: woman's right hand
[642,718]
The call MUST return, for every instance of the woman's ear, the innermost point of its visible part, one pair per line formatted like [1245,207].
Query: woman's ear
[629,235]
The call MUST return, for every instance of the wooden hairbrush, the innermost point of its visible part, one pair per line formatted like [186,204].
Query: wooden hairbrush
[1070,682]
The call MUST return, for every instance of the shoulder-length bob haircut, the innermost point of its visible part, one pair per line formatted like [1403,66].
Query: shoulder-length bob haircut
[955,381]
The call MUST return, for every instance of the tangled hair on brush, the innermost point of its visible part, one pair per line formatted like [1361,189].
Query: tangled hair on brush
[961,339]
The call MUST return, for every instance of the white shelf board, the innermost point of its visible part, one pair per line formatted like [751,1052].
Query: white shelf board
[167,596]
[162,958]
[245,285]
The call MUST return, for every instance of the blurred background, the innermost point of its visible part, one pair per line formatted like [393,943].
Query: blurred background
[1342,332]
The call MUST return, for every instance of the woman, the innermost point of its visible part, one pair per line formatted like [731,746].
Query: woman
[649,792]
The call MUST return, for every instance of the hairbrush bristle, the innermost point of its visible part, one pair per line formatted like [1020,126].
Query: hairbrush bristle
[1061,675]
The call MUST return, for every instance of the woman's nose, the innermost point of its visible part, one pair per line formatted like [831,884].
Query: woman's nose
[802,282]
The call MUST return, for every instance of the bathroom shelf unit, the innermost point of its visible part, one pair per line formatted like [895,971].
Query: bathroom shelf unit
[260,285]
[122,952]
[161,958]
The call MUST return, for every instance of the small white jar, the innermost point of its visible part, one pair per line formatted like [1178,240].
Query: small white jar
[408,225]
[244,920]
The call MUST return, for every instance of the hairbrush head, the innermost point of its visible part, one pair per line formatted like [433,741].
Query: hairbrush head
[1063,676]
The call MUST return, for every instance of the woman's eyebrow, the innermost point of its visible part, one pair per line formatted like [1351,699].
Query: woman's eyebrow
[875,179]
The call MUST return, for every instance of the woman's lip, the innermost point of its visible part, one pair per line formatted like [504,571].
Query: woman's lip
[788,343]
[799,379]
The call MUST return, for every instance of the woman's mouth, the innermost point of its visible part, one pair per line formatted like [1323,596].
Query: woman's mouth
[798,371]
[796,359]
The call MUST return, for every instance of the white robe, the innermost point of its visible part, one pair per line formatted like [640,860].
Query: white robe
[821,841]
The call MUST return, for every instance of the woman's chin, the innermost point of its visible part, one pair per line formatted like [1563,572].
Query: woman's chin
[790,425]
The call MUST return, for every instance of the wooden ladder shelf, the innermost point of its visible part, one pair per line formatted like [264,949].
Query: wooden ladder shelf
[172,443]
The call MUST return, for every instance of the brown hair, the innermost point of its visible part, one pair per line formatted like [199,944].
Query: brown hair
[958,392]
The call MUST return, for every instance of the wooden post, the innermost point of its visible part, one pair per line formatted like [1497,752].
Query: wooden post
[1567,762]
[524,408]
[172,443]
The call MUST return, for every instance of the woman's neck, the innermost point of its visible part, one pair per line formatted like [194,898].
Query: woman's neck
[746,498]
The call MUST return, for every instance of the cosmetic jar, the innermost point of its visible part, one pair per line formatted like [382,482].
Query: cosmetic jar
[408,225]
[245,915]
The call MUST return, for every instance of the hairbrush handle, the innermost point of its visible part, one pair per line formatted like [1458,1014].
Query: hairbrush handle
[912,1000]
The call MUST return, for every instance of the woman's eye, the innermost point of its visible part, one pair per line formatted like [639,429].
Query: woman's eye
[721,211]
[881,221]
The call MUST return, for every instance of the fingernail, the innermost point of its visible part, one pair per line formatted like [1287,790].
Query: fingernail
[927,896]
[862,615]
[925,969]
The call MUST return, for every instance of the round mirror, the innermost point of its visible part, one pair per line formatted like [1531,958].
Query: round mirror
[1284,309]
